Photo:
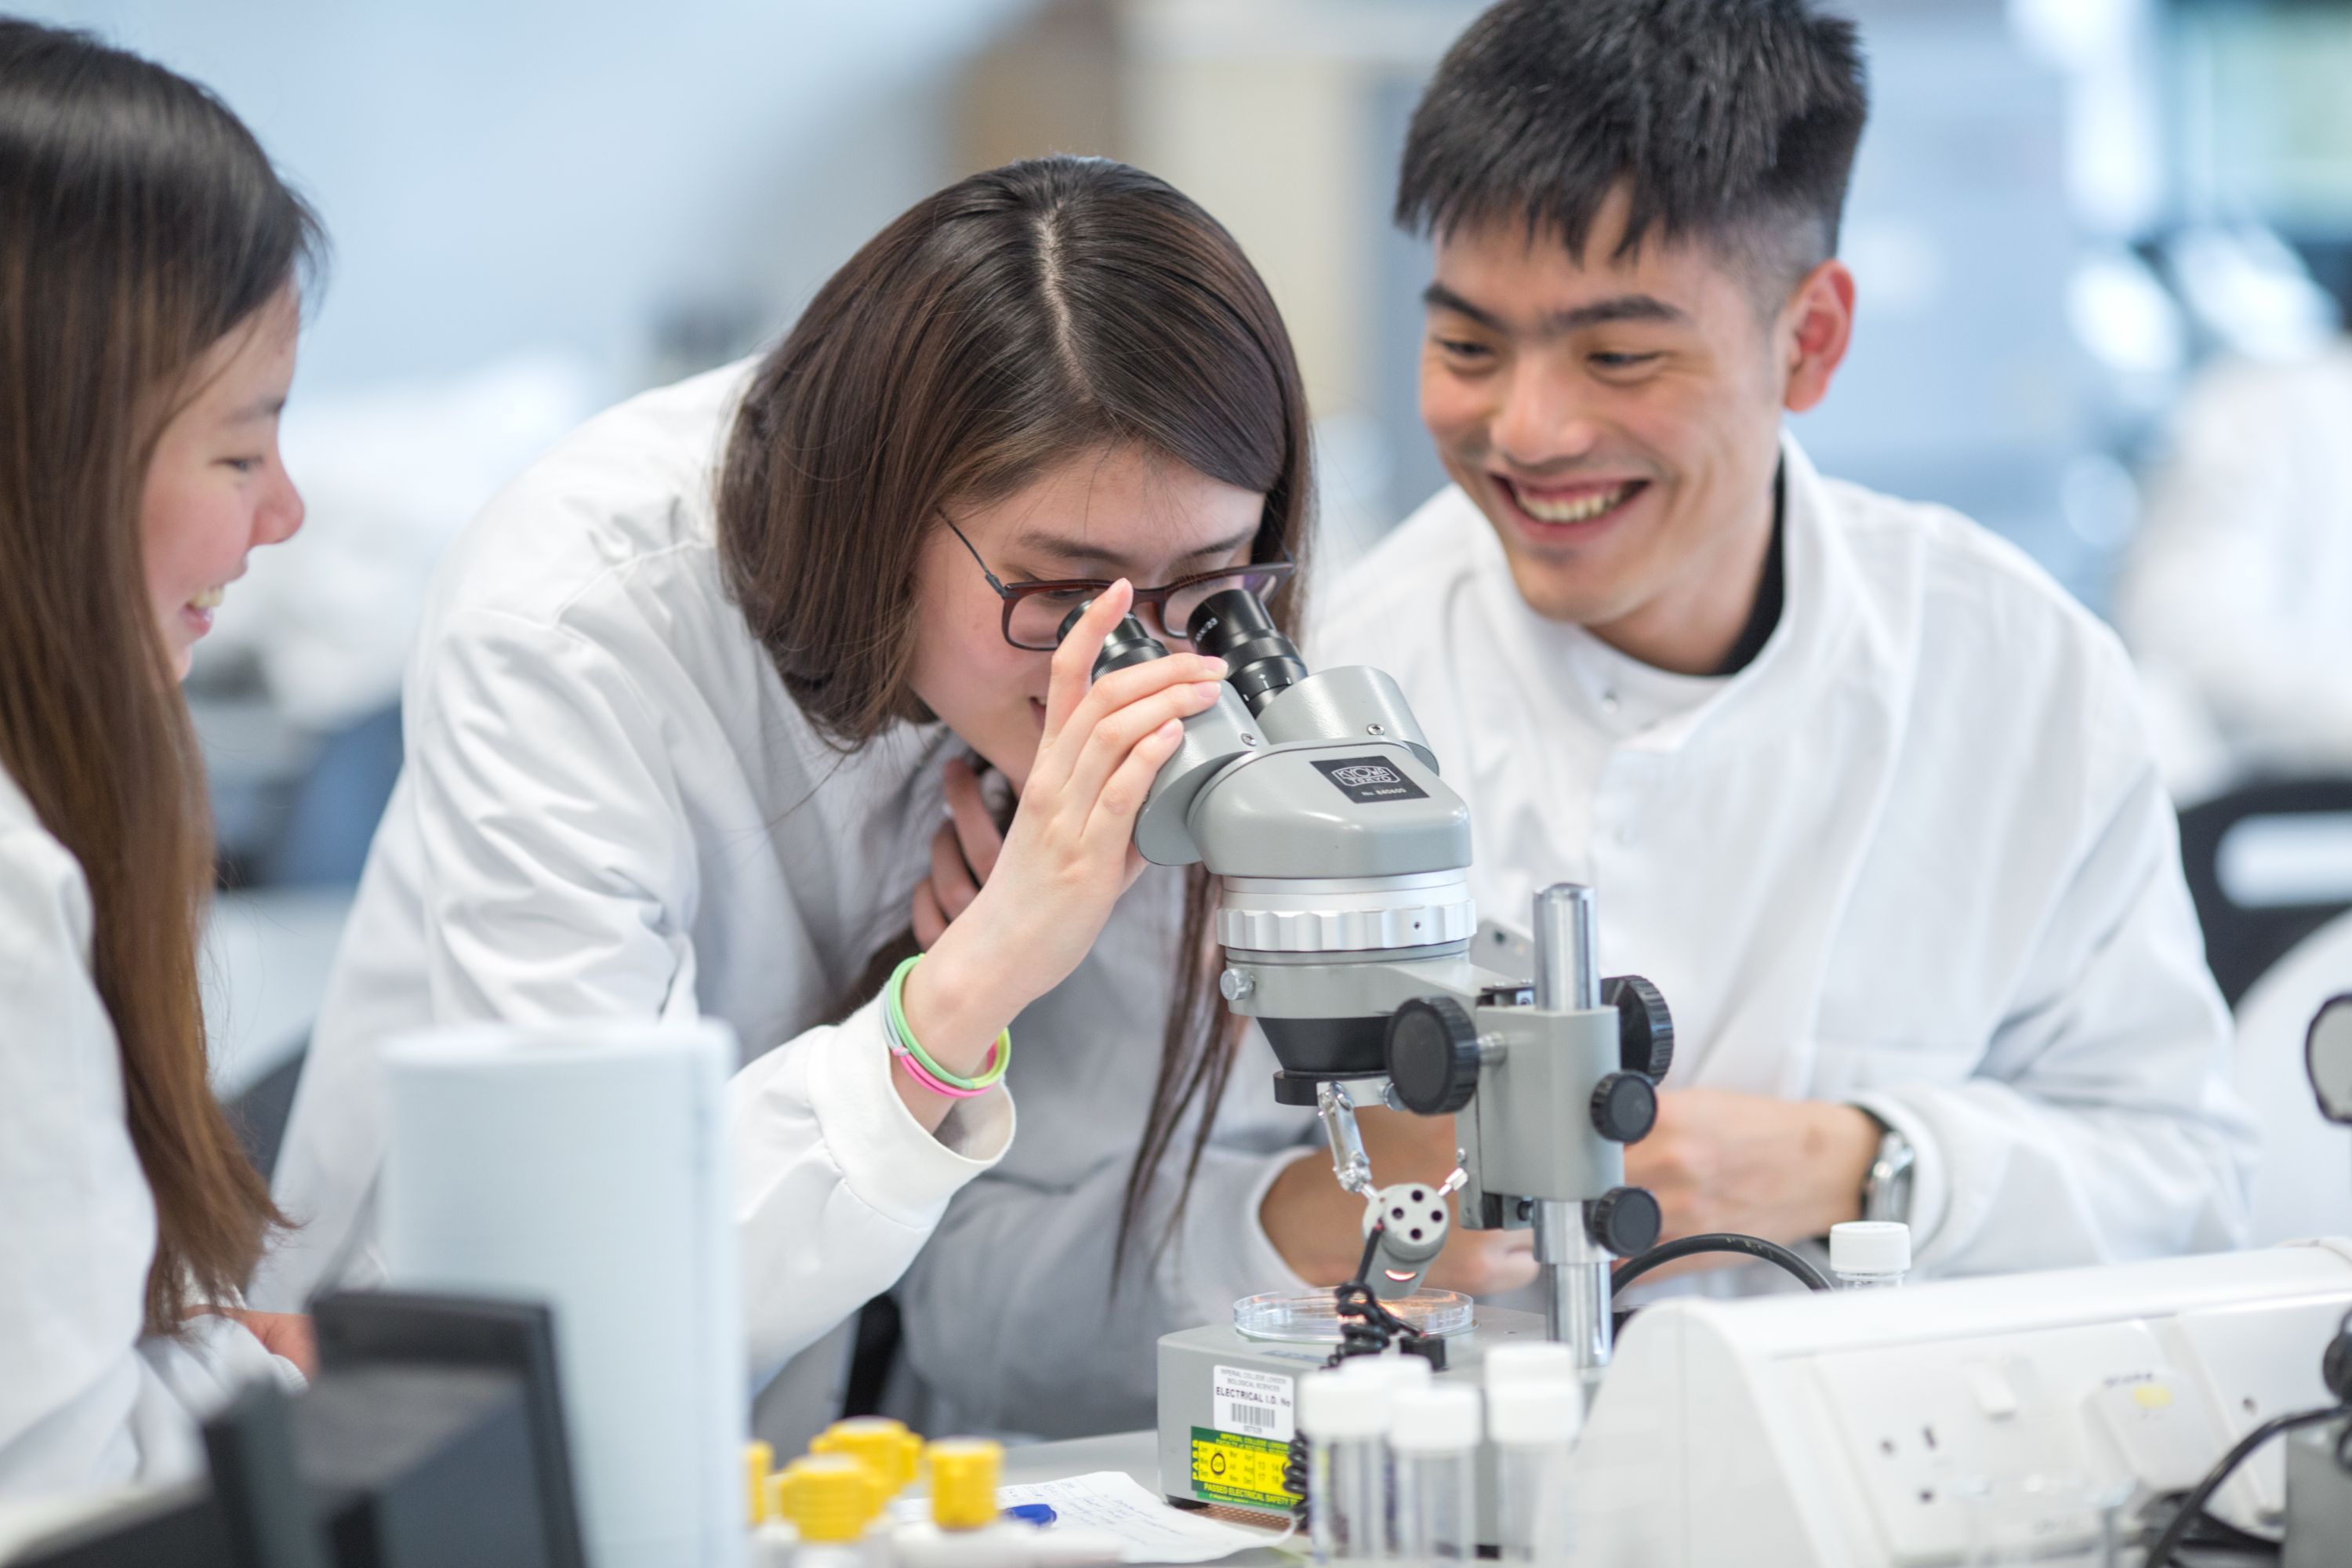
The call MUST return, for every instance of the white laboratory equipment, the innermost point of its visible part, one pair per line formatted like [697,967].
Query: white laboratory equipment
[1848,1430]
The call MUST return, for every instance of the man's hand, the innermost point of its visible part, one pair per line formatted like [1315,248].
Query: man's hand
[1780,1169]
[1318,1226]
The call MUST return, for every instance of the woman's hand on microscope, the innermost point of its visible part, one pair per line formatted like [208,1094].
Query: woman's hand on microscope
[1318,1226]
[1051,881]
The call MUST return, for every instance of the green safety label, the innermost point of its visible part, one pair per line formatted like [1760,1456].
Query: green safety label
[1231,1469]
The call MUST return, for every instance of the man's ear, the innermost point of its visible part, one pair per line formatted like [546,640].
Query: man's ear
[1816,325]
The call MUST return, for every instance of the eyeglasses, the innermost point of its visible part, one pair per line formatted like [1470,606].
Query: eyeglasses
[1033,612]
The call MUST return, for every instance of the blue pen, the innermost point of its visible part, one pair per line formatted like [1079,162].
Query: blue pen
[1037,1513]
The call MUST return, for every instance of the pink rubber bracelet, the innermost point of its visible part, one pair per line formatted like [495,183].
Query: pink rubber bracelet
[915,1070]
[920,1073]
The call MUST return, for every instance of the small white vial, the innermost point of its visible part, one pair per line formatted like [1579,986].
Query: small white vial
[1345,1417]
[1435,1433]
[1530,1361]
[1870,1255]
[1533,1425]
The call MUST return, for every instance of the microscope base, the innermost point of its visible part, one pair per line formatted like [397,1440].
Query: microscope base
[1226,1405]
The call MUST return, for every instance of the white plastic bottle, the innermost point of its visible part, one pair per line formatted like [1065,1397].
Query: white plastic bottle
[1533,1424]
[1345,1417]
[1434,1434]
[1870,1255]
[966,1529]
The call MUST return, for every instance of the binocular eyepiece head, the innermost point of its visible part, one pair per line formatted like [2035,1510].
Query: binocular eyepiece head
[1233,625]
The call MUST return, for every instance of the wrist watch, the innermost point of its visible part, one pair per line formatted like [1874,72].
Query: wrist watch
[1887,1187]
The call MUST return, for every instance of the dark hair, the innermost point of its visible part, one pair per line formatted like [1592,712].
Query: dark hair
[1015,319]
[139,226]
[1732,122]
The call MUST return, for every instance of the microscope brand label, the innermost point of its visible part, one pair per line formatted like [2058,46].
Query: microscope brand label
[1368,781]
[1231,1469]
[1257,1402]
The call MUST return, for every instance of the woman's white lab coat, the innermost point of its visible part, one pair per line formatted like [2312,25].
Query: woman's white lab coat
[1916,856]
[85,1401]
[612,807]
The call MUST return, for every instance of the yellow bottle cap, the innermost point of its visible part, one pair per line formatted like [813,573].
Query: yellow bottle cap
[963,1481]
[758,1460]
[884,1446]
[829,1496]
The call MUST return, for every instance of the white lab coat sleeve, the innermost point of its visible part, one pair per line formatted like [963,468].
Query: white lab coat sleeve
[826,1154]
[2100,1124]
[85,1402]
[559,873]
[1006,1316]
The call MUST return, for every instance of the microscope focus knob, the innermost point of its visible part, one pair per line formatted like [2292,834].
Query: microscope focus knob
[1645,1029]
[1624,1107]
[1433,1056]
[1625,1220]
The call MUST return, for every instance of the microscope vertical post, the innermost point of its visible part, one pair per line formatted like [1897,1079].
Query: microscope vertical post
[1575,1268]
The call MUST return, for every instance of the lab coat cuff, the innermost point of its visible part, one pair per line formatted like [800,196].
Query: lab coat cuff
[1931,1177]
[886,1158]
[1261,1259]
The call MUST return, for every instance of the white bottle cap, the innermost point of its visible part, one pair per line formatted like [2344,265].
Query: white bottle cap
[1334,1406]
[1534,1360]
[1440,1419]
[1401,1373]
[1534,1413]
[1870,1247]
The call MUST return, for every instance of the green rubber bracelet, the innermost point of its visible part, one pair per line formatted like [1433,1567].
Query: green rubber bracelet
[1000,1054]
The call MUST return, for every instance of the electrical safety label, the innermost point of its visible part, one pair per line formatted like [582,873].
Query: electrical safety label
[1229,1468]
[1256,1402]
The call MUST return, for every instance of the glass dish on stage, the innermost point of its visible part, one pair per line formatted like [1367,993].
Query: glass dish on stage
[1314,1319]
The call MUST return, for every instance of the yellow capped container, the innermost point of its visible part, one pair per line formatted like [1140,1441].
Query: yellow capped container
[758,1460]
[882,1444]
[963,1481]
[828,1497]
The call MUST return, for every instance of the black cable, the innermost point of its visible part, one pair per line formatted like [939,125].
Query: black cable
[2193,1507]
[1366,1328]
[1634,1267]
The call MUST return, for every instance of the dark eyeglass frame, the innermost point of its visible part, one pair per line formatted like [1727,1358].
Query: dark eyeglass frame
[1156,599]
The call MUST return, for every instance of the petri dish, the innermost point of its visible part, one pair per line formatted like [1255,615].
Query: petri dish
[1314,1318]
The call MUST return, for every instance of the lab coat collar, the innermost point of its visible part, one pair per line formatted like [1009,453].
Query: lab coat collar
[1642,709]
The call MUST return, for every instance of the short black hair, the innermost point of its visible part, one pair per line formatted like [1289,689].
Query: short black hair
[1730,122]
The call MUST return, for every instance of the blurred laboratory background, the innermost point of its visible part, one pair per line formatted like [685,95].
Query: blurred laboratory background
[2104,250]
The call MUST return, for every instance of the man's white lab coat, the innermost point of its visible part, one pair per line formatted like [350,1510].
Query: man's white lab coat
[1916,857]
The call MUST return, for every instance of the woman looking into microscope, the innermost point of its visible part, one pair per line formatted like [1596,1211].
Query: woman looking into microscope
[695,695]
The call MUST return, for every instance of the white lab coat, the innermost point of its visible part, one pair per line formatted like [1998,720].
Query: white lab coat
[1916,856]
[2237,597]
[85,1401]
[612,807]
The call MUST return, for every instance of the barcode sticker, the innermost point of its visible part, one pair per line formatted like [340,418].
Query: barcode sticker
[1253,1404]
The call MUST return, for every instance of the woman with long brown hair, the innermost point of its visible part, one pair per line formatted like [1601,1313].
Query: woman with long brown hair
[696,695]
[151,261]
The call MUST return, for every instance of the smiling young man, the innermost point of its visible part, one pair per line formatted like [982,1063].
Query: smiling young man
[1860,788]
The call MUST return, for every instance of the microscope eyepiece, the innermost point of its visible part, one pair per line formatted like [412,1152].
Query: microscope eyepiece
[1233,625]
[1129,642]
